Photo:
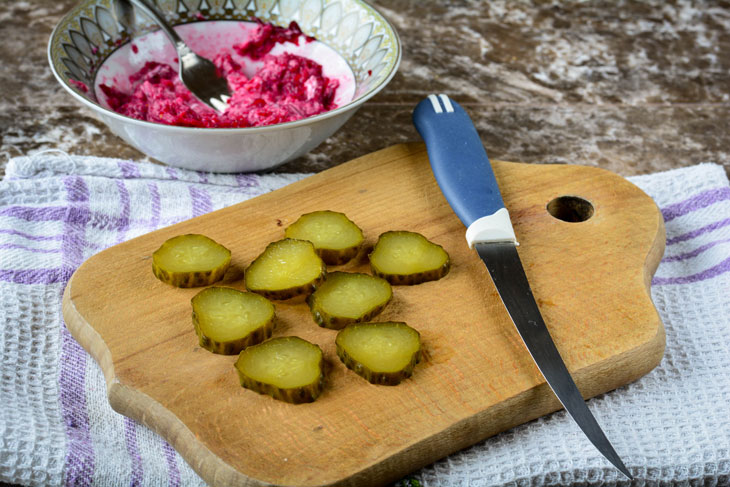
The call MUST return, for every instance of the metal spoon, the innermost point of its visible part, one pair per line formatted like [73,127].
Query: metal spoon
[197,73]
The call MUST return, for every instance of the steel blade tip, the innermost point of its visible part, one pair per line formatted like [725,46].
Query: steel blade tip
[620,465]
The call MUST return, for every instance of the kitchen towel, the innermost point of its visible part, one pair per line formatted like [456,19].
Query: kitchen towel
[56,427]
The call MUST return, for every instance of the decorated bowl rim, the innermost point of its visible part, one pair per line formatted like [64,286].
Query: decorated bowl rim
[352,104]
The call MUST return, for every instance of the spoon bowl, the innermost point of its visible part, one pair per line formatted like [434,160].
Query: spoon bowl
[198,74]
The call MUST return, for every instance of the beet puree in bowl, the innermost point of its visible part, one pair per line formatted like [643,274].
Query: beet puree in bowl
[298,71]
[267,88]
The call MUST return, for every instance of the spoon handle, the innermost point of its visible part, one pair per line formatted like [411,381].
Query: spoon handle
[152,12]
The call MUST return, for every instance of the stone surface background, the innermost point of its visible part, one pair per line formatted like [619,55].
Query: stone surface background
[634,87]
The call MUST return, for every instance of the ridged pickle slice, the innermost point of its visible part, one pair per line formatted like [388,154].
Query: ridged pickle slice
[287,268]
[409,258]
[191,260]
[335,237]
[346,298]
[227,320]
[287,368]
[382,353]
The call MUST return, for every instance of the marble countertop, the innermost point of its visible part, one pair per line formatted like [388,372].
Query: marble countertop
[633,87]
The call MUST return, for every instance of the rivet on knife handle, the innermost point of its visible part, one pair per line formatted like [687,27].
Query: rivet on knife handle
[465,176]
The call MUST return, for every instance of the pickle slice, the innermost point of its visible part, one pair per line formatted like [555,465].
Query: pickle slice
[285,269]
[408,258]
[227,320]
[190,261]
[335,237]
[287,368]
[382,353]
[346,298]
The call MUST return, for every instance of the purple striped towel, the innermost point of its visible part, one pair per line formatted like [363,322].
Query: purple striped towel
[56,211]
[56,427]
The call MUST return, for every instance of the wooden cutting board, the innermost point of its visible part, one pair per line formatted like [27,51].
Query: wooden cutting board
[590,278]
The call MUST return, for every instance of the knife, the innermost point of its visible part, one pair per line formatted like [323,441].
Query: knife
[465,176]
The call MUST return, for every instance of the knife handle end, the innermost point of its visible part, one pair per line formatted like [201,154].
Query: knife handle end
[458,159]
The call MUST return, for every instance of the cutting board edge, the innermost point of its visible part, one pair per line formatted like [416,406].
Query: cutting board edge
[139,406]
[538,401]
[458,435]
[519,409]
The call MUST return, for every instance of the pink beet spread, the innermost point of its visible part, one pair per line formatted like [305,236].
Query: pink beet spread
[286,88]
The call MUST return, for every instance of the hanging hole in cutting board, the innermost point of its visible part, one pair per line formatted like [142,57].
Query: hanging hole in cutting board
[571,209]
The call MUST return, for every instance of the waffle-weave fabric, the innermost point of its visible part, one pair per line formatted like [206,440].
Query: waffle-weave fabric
[57,428]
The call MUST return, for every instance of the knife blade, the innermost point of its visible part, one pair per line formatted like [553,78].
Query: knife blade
[464,174]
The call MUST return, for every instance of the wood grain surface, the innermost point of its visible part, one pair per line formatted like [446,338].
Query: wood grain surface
[590,279]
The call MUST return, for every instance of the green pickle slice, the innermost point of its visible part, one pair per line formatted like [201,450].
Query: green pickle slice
[409,258]
[227,320]
[190,261]
[287,268]
[382,353]
[346,298]
[287,368]
[335,237]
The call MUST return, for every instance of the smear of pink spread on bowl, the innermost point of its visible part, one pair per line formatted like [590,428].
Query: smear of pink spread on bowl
[287,87]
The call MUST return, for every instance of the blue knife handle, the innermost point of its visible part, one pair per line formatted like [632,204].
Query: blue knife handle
[458,159]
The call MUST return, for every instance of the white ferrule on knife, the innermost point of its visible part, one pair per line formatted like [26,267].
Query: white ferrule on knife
[493,228]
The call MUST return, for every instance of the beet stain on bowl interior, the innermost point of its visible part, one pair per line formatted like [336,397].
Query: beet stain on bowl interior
[292,88]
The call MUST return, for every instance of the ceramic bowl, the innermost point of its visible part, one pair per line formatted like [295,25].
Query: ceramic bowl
[89,47]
